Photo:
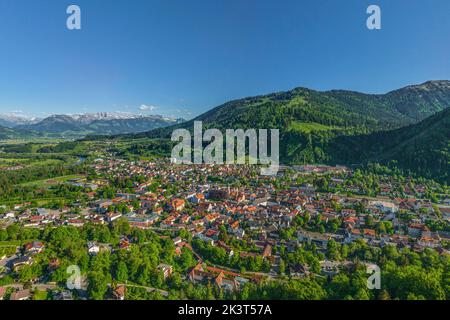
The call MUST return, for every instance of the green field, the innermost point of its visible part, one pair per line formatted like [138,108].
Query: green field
[297,101]
[6,163]
[31,140]
[53,181]
[38,201]
[308,127]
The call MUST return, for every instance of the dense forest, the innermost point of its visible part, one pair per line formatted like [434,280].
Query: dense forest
[10,181]
[423,148]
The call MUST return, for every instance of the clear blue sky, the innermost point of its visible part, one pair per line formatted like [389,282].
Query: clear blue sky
[187,56]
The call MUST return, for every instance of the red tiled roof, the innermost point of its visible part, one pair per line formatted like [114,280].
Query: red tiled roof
[218,270]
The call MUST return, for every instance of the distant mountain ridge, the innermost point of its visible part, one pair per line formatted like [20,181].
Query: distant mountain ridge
[100,123]
[13,120]
[410,104]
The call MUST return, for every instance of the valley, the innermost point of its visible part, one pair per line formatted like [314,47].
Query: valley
[363,181]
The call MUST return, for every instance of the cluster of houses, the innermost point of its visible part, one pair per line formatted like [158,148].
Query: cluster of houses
[223,279]
[256,213]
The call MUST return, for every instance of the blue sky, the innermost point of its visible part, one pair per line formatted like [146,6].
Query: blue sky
[184,57]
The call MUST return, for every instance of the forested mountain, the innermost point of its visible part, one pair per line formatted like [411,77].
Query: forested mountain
[315,126]
[6,123]
[335,110]
[8,133]
[411,104]
[54,124]
[423,148]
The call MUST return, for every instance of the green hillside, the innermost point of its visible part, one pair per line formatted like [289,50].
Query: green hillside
[329,126]
[8,133]
[423,148]
[353,111]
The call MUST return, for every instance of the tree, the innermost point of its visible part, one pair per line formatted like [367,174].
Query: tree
[26,274]
[175,281]
[98,285]
[333,250]
[3,235]
[186,259]
[122,227]
[344,251]
[282,267]
[13,231]
[381,227]
[157,278]
[145,272]
[122,272]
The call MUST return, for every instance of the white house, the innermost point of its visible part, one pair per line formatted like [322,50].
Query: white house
[385,206]
[93,249]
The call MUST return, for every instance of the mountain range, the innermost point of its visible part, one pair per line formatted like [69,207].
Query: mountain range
[12,120]
[409,125]
[82,124]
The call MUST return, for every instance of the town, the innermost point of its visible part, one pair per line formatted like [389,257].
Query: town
[152,229]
